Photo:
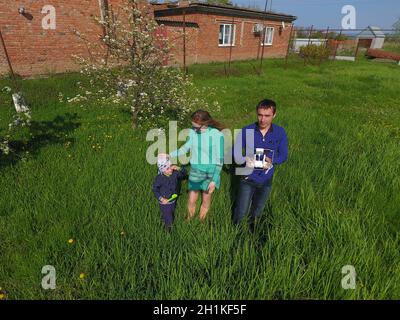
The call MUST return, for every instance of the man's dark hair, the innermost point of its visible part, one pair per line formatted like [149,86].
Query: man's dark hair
[266,104]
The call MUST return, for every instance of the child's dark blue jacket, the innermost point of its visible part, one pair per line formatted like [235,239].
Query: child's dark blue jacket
[165,186]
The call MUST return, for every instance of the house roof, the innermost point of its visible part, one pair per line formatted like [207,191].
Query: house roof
[371,32]
[174,23]
[225,10]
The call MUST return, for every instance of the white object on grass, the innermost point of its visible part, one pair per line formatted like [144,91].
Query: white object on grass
[19,103]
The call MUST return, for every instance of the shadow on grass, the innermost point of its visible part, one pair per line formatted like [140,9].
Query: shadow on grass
[41,134]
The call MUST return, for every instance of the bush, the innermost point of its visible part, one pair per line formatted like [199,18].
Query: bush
[314,51]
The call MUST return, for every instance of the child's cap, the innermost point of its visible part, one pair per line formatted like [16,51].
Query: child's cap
[163,163]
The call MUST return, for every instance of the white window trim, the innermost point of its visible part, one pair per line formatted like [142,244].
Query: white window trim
[265,35]
[234,35]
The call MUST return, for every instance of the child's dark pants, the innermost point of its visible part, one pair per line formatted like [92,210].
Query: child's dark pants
[167,213]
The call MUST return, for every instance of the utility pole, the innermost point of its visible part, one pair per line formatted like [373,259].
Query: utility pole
[263,37]
[184,43]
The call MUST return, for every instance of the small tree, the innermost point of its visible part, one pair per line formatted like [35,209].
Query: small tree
[130,69]
[314,51]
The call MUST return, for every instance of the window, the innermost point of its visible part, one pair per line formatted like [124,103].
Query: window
[226,35]
[269,36]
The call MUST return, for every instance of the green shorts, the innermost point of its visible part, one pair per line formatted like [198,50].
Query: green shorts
[199,180]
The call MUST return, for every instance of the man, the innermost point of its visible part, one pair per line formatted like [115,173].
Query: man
[256,184]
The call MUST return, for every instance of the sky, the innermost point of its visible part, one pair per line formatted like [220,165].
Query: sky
[324,13]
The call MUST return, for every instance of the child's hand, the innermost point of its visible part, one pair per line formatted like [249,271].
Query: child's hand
[164,200]
[176,168]
[166,155]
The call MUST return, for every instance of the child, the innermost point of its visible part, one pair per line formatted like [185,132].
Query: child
[165,185]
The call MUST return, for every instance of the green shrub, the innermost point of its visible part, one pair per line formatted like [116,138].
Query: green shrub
[314,51]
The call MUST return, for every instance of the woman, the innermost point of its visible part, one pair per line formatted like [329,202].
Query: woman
[206,144]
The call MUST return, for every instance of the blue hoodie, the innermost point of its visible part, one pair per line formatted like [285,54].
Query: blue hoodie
[275,139]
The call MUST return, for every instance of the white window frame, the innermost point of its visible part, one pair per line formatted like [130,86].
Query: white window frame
[223,35]
[265,43]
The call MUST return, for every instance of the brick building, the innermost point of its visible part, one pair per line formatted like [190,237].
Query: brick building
[39,33]
[217,32]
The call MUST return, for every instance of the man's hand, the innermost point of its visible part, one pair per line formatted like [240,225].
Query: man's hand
[164,200]
[268,163]
[249,162]
[211,187]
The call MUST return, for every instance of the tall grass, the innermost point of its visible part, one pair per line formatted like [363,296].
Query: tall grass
[334,203]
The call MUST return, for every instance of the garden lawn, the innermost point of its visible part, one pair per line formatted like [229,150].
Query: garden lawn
[83,175]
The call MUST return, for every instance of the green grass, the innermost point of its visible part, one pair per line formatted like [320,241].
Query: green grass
[392,46]
[335,202]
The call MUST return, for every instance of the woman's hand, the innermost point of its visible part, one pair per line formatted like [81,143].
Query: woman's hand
[211,187]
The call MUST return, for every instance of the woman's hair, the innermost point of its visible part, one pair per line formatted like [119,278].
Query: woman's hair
[203,118]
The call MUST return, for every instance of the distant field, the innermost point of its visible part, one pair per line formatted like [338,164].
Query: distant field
[336,202]
[392,46]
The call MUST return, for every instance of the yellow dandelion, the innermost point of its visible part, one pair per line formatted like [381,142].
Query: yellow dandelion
[3,294]
[82,276]
[71,241]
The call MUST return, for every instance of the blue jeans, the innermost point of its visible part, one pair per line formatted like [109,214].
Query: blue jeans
[253,194]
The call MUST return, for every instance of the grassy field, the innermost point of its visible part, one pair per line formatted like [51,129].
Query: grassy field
[336,202]
[392,46]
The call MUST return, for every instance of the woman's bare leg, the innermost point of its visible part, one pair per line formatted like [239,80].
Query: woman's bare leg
[205,205]
[192,199]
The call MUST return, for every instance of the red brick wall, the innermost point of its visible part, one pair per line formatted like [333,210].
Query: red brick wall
[175,39]
[32,49]
[202,43]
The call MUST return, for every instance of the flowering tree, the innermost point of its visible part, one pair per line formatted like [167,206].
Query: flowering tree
[129,69]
